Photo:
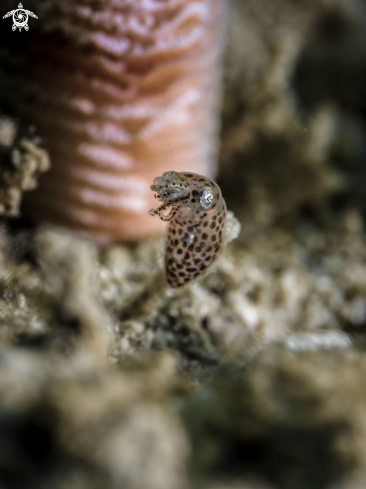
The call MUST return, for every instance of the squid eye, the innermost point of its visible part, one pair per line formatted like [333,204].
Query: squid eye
[206,196]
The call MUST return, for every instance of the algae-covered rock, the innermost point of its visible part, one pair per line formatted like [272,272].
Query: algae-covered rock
[296,420]
[83,424]
[293,111]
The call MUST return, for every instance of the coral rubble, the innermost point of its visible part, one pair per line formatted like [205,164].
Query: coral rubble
[22,162]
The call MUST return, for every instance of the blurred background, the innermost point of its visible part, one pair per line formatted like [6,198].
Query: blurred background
[251,378]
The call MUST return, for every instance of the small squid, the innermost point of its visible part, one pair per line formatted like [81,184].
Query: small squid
[196,215]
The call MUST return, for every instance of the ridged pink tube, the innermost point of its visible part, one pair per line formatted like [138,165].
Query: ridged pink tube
[121,91]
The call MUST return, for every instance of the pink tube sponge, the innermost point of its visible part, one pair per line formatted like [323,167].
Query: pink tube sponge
[121,91]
